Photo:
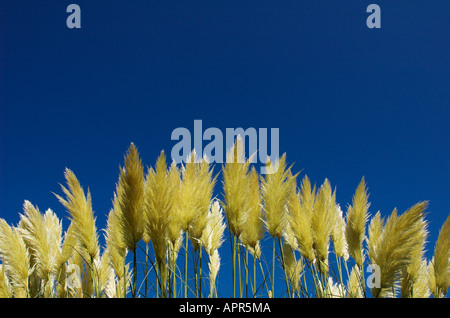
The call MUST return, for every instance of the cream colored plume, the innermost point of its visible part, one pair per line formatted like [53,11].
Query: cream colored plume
[322,223]
[16,260]
[300,210]
[212,236]
[276,189]
[253,231]
[235,187]
[79,207]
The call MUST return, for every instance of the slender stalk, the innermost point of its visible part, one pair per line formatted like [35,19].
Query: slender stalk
[125,280]
[361,270]
[304,277]
[239,270]
[254,277]
[186,265]
[200,270]
[234,266]
[134,272]
[340,274]
[146,270]
[174,276]
[157,279]
[246,273]
[273,266]
[264,276]
[284,268]
[195,273]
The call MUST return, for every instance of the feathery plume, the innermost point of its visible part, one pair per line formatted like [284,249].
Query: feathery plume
[322,223]
[338,234]
[410,273]
[174,228]
[357,215]
[35,235]
[130,198]
[16,260]
[293,267]
[420,286]
[212,236]
[300,210]
[355,283]
[253,231]
[187,203]
[441,261]
[158,203]
[42,233]
[5,287]
[392,251]
[276,189]
[235,187]
[204,190]
[115,245]
[79,207]
[213,266]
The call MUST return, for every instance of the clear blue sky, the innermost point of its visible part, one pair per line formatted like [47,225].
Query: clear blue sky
[349,101]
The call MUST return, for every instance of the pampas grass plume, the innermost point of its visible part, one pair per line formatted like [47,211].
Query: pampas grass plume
[441,261]
[79,207]
[357,216]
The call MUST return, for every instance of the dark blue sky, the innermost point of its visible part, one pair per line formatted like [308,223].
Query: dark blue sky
[349,101]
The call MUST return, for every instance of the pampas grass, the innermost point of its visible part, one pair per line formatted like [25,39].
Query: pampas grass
[80,210]
[357,216]
[393,249]
[173,207]
[15,259]
[440,264]
[130,200]
[157,206]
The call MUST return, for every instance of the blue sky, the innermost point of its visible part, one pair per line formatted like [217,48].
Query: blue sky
[349,101]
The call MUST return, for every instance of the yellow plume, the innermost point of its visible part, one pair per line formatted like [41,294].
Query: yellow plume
[79,207]
[357,215]
[16,260]
[130,198]
[441,262]
[394,247]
